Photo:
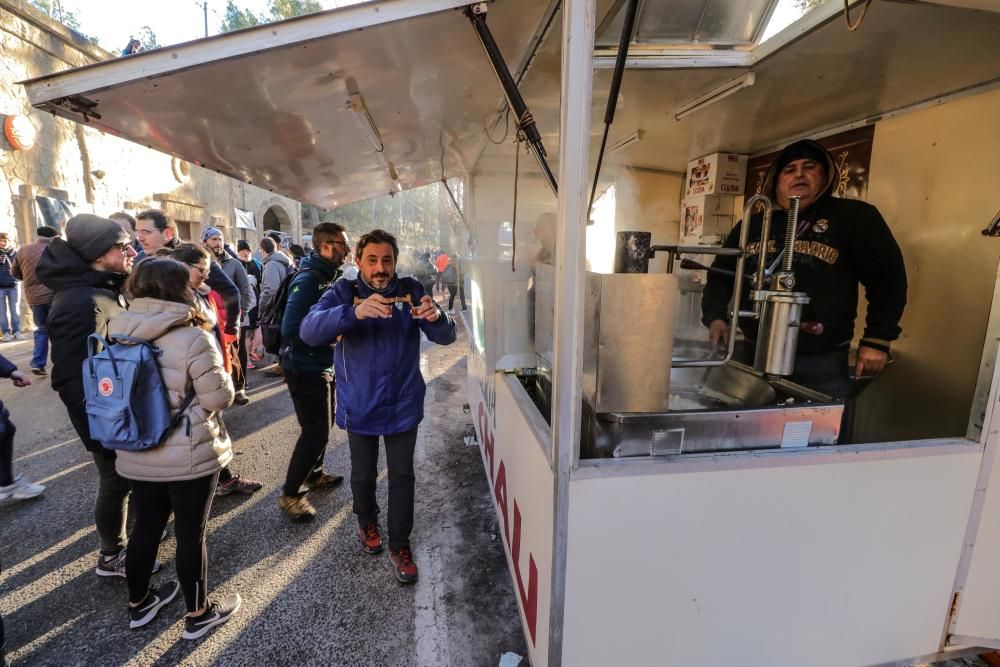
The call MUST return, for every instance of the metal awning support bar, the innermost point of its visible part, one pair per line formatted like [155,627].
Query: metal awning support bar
[525,123]
[616,84]
[579,19]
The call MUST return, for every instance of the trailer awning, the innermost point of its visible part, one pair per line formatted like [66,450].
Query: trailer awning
[329,108]
[353,103]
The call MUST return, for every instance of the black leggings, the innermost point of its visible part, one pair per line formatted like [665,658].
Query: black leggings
[152,502]
[452,293]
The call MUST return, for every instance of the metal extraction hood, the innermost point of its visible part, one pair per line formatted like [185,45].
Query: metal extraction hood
[330,108]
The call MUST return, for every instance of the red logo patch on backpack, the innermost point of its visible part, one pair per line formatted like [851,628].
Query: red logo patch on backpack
[105,386]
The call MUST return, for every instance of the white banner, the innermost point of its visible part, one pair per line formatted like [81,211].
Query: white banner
[244,219]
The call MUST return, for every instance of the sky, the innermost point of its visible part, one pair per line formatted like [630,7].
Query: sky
[112,22]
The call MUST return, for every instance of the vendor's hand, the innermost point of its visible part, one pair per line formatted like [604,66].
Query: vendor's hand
[426,310]
[718,332]
[870,361]
[374,306]
[20,379]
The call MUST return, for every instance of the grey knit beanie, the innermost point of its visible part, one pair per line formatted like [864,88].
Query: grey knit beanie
[90,236]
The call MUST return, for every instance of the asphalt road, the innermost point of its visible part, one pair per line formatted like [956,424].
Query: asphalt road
[310,596]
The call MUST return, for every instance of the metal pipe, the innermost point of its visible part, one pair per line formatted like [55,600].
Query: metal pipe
[734,304]
[616,83]
[526,124]
[765,234]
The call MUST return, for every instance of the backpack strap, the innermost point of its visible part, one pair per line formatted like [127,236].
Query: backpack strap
[185,404]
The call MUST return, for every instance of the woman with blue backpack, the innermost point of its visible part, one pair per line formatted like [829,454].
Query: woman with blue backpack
[179,474]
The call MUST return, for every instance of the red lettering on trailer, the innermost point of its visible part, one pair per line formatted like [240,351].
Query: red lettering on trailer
[530,601]
[529,598]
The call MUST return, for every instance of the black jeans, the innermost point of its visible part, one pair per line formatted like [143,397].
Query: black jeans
[7,431]
[364,473]
[190,501]
[313,397]
[241,356]
[452,293]
[111,504]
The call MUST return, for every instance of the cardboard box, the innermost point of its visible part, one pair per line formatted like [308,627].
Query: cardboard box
[706,215]
[717,174]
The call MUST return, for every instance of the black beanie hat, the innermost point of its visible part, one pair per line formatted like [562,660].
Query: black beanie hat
[90,236]
[242,245]
[46,232]
[804,149]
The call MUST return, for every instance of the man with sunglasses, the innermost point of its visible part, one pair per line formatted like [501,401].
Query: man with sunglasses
[308,371]
[86,273]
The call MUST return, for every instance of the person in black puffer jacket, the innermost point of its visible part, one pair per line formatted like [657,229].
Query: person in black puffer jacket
[839,243]
[86,272]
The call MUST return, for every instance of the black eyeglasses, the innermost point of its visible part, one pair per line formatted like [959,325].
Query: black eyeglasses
[201,270]
[123,247]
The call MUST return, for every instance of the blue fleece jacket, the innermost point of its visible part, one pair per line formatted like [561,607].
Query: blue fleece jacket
[380,390]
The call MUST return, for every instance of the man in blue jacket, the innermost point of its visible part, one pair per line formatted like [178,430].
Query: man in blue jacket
[376,322]
[308,372]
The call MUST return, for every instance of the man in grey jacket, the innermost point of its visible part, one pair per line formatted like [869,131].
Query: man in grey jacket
[276,267]
[213,239]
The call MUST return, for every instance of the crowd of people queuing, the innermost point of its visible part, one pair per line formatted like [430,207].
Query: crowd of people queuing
[349,354]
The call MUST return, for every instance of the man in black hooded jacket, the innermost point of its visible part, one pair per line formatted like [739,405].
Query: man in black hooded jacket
[839,243]
[86,273]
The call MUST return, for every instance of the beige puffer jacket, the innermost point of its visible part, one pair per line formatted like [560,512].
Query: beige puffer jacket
[200,446]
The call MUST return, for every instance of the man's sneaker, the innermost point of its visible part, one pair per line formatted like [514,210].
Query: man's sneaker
[6,338]
[298,508]
[21,489]
[157,598]
[238,485]
[216,614]
[19,336]
[371,539]
[321,479]
[241,398]
[114,565]
[38,370]
[403,566]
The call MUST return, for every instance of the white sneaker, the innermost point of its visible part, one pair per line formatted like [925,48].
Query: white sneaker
[6,338]
[19,336]
[21,489]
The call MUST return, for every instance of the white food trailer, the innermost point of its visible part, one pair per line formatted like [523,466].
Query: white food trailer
[636,534]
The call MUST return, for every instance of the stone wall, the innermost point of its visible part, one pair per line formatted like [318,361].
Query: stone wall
[95,172]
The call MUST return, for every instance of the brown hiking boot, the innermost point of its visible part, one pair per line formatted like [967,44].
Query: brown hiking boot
[298,508]
[323,480]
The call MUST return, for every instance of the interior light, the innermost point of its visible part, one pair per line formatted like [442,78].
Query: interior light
[627,140]
[716,94]
[356,103]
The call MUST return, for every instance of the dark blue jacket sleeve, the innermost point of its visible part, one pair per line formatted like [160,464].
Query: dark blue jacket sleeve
[302,293]
[6,367]
[332,316]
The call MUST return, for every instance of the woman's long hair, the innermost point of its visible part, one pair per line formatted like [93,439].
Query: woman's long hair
[165,279]
[190,253]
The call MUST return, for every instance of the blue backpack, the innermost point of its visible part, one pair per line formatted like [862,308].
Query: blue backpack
[127,403]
